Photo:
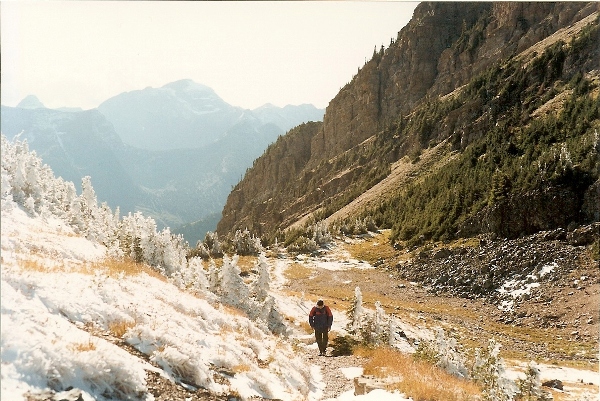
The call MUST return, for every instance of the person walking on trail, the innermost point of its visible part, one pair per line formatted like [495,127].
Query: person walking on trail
[320,319]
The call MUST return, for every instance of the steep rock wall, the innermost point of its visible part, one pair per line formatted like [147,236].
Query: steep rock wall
[443,47]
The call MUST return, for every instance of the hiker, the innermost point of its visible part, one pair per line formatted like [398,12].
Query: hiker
[320,319]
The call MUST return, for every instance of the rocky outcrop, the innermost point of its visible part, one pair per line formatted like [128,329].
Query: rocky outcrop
[484,270]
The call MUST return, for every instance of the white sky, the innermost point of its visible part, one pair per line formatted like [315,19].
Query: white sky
[79,54]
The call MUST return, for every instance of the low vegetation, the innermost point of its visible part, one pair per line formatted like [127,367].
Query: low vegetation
[420,380]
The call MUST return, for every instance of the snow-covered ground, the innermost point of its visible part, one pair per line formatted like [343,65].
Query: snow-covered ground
[51,297]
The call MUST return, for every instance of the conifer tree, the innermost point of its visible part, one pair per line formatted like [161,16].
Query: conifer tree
[355,313]
[261,285]
[234,290]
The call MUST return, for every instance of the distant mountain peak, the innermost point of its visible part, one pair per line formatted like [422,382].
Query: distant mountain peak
[267,106]
[184,85]
[31,102]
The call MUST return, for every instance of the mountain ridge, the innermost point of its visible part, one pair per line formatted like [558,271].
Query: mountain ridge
[382,116]
[175,185]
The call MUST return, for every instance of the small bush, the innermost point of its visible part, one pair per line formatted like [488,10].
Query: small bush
[343,346]
[303,245]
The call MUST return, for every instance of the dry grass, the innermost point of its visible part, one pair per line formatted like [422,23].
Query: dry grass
[31,264]
[297,271]
[247,263]
[113,267]
[90,345]
[417,379]
[241,368]
[306,327]
[116,267]
[373,248]
[232,310]
[120,327]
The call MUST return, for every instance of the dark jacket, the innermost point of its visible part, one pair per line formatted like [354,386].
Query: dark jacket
[320,319]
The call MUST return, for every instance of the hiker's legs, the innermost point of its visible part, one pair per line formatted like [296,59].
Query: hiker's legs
[322,338]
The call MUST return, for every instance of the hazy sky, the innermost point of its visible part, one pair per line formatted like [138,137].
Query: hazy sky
[78,54]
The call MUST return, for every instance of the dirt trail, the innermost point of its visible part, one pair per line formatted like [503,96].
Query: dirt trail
[336,383]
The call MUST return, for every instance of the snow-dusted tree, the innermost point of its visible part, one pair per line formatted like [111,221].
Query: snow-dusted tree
[244,243]
[321,234]
[261,286]
[452,360]
[275,321]
[170,251]
[380,332]
[530,388]
[490,373]
[355,313]
[214,278]
[192,277]
[141,242]
[392,331]
[233,289]
[213,245]
[303,244]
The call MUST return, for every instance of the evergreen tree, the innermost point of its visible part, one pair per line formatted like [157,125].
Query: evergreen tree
[261,285]
[233,289]
[355,313]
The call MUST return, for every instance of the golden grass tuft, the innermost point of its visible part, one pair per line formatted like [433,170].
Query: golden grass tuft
[33,265]
[90,345]
[241,368]
[119,328]
[306,327]
[417,379]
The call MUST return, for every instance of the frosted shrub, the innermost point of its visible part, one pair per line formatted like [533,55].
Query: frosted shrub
[303,245]
[368,330]
[192,278]
[320,233]
[233,289]
[380,333]
[214,278]
[210,247]
[358,226]
[244,243]
[443,352]
[490,373]
[211,240]
[200,251]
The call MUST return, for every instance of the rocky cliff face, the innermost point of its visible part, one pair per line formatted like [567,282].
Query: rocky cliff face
[443,47]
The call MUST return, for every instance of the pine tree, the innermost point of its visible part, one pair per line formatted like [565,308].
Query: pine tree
[261,285]
[355,313]
[490,373]
[530,388]
[234,290]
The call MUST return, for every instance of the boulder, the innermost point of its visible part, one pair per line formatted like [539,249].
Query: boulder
[367,383]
